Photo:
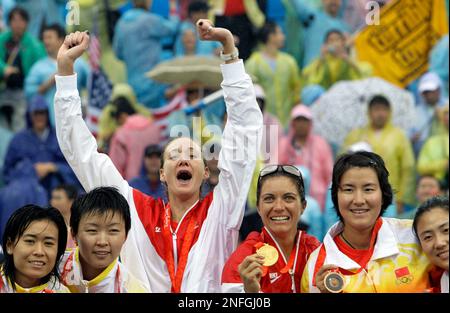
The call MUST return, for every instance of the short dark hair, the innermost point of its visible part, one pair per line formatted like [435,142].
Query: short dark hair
[18,223]
[100,200]
[437,202]
[122,105]
[267,29]
[361,159]
[19,11]
[197,6]
[379,99]
[153,149]
[297,181]
[333,31]
[58,29]
[70,190]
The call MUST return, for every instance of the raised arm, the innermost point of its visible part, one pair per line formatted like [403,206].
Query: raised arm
[78,145]
[242,134]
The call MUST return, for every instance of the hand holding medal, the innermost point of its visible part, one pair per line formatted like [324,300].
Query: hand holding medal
[329,280]
[255,266]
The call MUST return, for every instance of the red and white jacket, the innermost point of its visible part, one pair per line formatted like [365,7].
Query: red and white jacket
[276,279]
[217,217]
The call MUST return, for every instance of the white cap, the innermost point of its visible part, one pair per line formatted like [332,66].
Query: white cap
[360,146]
[429,82]
[259,92]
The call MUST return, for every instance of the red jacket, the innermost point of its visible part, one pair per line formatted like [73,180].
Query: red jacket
[274,280]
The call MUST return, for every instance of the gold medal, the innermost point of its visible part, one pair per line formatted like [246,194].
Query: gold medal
[334,282]
[269,253]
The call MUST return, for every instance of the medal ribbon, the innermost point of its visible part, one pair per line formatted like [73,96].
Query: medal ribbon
[366,258]
[177,277]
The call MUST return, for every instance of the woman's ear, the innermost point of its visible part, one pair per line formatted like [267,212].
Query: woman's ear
[9,247]
[162,176]
[303,207]
[206,174]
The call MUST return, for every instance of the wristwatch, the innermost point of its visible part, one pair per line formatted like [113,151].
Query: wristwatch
[231,56]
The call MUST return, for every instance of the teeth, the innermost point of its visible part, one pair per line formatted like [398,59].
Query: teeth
[37,263]
[279,218]
[359,211]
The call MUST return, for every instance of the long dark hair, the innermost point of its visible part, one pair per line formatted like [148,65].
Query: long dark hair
[18,223]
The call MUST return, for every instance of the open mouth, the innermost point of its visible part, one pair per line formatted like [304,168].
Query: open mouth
[184,176]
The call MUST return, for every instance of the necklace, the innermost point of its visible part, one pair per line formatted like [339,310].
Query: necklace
[346,241]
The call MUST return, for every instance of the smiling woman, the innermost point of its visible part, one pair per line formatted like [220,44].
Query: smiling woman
[431,228]
[34,241]
[365,252]
[255,265]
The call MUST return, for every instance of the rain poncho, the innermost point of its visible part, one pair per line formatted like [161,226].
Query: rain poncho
[128,144]
[19,192]
[107,123]
[392,144]
[330,69]
[433,158]
[315,155]
[439,62]
[281,85]
[31,51]
[43,12]
[42,70]
[137,42]
[26,149]
[317,24]
[202,47]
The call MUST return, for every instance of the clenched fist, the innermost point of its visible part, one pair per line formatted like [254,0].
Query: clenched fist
[73,47]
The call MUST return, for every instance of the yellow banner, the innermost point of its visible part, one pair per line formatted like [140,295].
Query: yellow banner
[399,46]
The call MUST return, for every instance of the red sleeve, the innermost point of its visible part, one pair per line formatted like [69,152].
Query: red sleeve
[148,210]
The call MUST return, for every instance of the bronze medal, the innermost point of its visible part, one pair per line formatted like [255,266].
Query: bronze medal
[334,282]
[269,253]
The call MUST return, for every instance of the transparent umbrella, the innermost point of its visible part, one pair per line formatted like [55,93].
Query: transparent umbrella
[344,107]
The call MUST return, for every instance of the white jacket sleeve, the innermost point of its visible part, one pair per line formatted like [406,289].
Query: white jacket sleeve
[241,141]
[78,145]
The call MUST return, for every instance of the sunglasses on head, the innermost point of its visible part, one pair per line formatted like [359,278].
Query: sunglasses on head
[288,169]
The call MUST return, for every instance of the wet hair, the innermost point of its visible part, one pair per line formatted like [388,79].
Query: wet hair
[70,190]
[333,31]
[197,6]
[18,11]
[101,200]
[267,29]
[16,226]
[58,29]
[361,159]
[297,181]
[379,99]
[438,202]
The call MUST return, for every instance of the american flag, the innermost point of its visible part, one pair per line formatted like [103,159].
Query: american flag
[99,86]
